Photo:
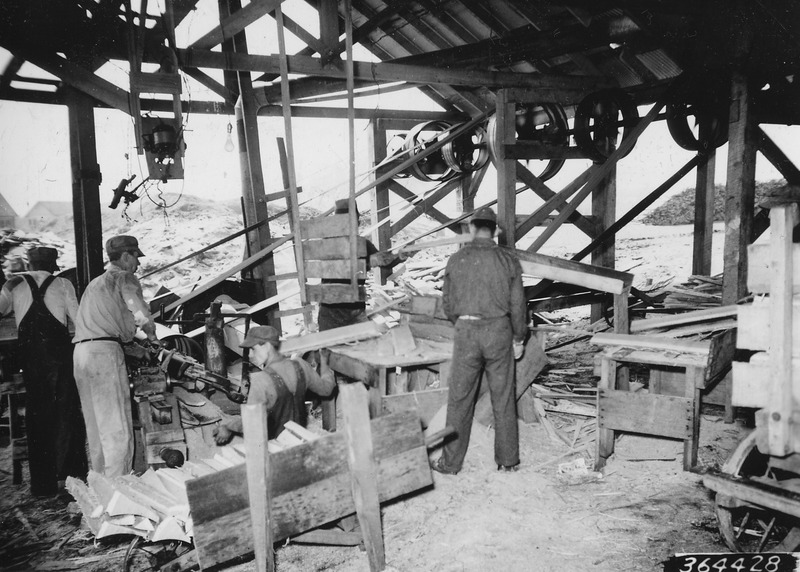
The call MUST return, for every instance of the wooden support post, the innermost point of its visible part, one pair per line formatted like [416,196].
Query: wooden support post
[351,146]
[254,427]
[381,236]
[363,471]
[781,395]
[704,215]
[465,197]
[605,437]
[85,187]
[604,209]
[329,27]
[694,381]
[740,190]
[622,326]
[506,171]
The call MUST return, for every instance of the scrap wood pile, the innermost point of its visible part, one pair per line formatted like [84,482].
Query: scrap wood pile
[696,293]
[154,505]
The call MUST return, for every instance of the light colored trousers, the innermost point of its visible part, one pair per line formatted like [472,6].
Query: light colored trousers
[102,381]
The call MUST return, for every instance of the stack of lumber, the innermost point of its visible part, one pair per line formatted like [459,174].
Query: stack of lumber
[698,323]
[154,505]
[696,293]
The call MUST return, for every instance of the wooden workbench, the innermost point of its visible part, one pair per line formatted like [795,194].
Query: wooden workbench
[373,362]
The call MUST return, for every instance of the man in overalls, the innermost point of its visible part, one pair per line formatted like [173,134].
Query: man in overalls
[281,384]
[45,306]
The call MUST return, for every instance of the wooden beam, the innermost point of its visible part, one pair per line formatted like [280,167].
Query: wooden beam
[212,84]
[254,425]
[306,65]
[398,189]
[81,79]
[704,214]
[604,209]
[710,314]
[425,206]
[740,190]
[553,201]
[602,171]
[380,204]
[329,338]
[559,269]
[363,473]
[776,498]
[328,27]
[778,158]
[506,171]
[235,23]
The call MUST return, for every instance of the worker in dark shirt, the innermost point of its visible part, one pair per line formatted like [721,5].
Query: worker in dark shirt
[280,382]
[483,297]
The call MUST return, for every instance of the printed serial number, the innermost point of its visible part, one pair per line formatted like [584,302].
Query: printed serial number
[776,562]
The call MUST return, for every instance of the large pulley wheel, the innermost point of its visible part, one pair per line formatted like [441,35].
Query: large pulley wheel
[603,120]
[697,126]
[434,167]
[468,152]
[749,528]
[543,123]
[142,556]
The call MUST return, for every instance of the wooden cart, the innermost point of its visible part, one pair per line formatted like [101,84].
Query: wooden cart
[758,488]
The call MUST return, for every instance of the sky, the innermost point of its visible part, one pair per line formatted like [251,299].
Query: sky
[34,144]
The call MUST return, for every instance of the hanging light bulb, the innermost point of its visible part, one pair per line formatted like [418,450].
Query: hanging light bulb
[229,141]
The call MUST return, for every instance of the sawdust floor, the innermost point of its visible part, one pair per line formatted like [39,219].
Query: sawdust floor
[640,512]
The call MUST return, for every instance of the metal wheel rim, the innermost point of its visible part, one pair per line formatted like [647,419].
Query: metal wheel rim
[414,147]
[678,115]
[585,113]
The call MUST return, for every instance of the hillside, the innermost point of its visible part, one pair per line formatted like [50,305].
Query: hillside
[679,209]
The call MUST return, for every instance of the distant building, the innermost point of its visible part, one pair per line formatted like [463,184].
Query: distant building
[8,217]
[44,213]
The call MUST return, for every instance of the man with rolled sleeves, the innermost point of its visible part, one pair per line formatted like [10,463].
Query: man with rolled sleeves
[483,297]
[111,309]
[45,308]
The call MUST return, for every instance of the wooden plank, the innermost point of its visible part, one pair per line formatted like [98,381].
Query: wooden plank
[778,158]
[309,487]
[235,23]
[156,82]
[425,403]
[245,264]
[458,239]
[552,268]
[331,248]
[694,317]
[662,415]
[667,358]
[402,340]
[652,343]
[782,399]
[756,326]
[335,293]
[334,268]
[332,337]
[353,368]
[760,268]
[704,212]
[361,462]
[254,425]
[325,226]
[436,332]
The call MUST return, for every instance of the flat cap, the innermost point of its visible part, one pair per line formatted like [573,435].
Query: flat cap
[43,255]
[261,335]
[484,213]
[123,243]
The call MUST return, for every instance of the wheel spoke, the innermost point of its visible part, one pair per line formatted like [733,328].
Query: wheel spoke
[743,525]
[767,532]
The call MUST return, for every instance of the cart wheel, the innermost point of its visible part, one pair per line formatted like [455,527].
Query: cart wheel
[748,528]
[143,556]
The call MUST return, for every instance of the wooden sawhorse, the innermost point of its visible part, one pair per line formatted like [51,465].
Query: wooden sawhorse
[655,413]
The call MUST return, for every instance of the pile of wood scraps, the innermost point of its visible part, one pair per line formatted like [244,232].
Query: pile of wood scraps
[568,417]
[154,505]
[696,293]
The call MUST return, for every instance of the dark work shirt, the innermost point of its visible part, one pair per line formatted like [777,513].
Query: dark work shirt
[484,279]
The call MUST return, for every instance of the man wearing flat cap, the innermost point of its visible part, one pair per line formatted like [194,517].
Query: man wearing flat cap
[111,309]
[483,297]
[45,309]
[281,383]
